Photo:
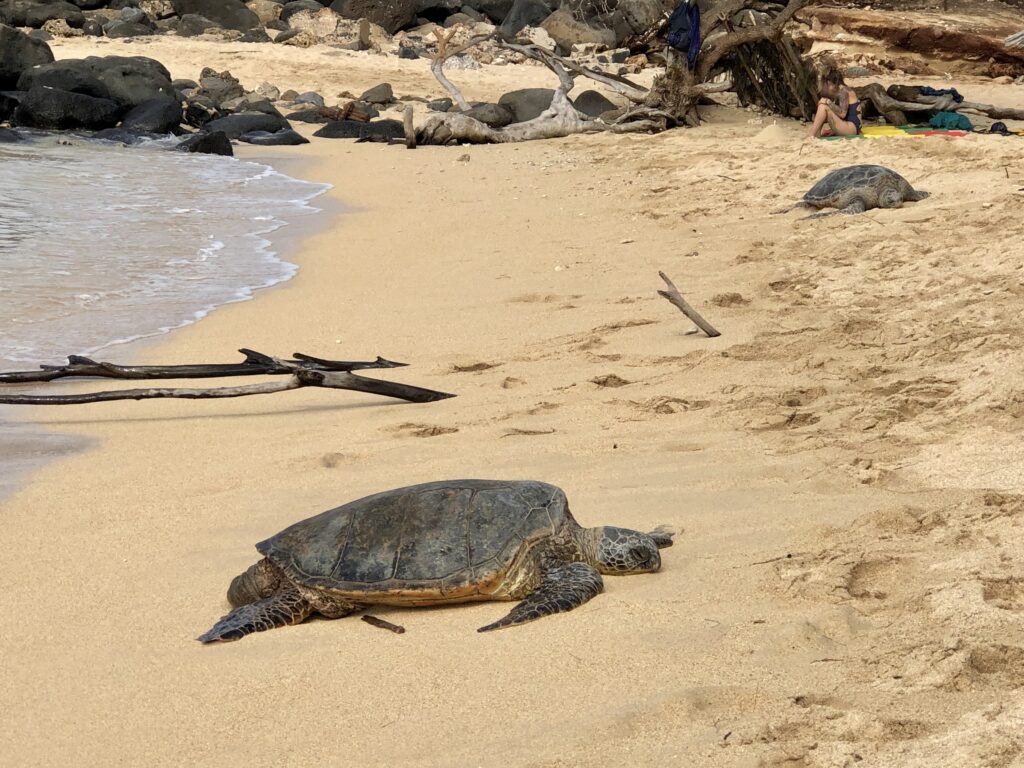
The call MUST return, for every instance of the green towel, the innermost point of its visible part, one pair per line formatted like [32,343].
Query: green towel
[951,121]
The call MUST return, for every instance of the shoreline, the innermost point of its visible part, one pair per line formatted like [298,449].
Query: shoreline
[835,589]
[30,445]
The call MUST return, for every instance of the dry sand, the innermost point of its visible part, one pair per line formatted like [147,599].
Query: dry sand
[843,465]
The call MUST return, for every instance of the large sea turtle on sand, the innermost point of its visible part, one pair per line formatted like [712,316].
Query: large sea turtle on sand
[858,188]
[431,544]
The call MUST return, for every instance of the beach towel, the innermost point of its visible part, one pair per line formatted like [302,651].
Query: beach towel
[950,121]
[899,132]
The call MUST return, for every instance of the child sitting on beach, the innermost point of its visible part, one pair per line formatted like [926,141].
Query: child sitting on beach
[838,108]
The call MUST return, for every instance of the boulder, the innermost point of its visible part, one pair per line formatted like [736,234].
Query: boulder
[593,104]
[379,94]
[90,5]
[200,111]
[18,53]
[265,10]
[35,13]
[118,28]
[268,91]
[309,97]
[495,10]
[277,25]
[7,106]
[193,25]
[639,15]
[392,15]
[382,130]
[162,115]
[307,116]
[524,13]
[290,9]
[458,18]
[40,34]
[255,35]
[527,103]
[440,105]
[51,108]
[184,85]
[219,87]
[67,75]
[284,138]
[92,28]
[494,115]
[251,102]
[157,9]
[215,143]
[132,80]
[230,14]
[567,32]
[246,122]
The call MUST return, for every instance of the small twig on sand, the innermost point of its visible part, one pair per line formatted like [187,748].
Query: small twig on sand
[673,295]
[375,622]
[786,556]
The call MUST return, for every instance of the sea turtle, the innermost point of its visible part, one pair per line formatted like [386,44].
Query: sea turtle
[858,188]
[444,542]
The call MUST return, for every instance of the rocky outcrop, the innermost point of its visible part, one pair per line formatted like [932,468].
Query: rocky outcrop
[392,15]
[215,143]
[19,52]
[50,108]
[126,80]
[234,126]
[35,13]
[229,14]
[527,103]
[162,115]
[567,32]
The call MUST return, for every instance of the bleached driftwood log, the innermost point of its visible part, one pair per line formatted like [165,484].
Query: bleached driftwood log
[895,102]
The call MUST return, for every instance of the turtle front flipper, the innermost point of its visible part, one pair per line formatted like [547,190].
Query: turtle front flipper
[280,609]
[564,588]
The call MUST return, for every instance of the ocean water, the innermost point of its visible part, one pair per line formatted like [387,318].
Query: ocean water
[102,244]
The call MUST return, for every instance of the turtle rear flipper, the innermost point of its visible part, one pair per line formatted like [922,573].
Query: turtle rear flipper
[793,207]
[280,609]
[563,589]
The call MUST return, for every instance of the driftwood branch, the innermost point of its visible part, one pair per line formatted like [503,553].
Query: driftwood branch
[560,119]
[304,371]
[437,60]
[673,295]
[255,364]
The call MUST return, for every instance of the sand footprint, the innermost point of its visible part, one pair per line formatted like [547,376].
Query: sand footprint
[412,429]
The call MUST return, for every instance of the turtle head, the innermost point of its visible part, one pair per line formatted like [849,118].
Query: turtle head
[620,550]
[890,198]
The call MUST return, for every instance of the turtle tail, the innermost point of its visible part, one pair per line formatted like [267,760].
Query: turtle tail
[260,580]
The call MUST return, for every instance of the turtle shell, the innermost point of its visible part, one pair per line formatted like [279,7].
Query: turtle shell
[435,542]
[853,176]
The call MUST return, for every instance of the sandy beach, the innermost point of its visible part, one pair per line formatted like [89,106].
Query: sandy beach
[842,465]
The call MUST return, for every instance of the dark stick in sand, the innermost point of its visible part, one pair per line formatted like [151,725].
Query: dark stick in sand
[304,371]
[374,621]
[673,295]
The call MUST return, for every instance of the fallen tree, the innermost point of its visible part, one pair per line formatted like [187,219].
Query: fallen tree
[673,99]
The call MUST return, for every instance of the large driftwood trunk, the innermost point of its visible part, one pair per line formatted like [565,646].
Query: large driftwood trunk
[903,104]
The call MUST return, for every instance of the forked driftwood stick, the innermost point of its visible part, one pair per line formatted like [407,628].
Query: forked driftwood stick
[673,295]
[304,371]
